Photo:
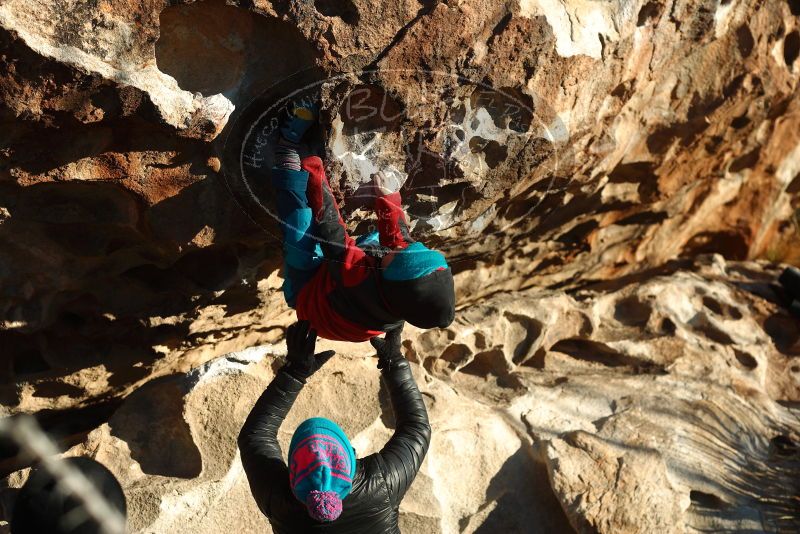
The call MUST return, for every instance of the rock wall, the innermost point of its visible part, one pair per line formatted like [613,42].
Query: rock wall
[666,402]
[548,148]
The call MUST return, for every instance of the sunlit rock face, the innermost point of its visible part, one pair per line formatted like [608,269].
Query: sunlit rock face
[543,146]
[662,402]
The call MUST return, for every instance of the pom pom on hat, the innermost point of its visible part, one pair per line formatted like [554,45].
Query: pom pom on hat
[324,505]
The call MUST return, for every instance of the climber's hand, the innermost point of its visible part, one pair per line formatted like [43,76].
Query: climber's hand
[388,348]
[301,340]
[386,182]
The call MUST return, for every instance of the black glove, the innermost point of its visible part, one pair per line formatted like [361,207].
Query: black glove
[301,362]
[388,348]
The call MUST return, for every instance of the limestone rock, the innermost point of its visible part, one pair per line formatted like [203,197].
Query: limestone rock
[653,403]
[605,490]
[540,144]
[570,158]
[172,444]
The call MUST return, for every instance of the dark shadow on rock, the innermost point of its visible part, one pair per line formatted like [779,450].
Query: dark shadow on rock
[150,230]
[98,264]
[596,352]
[784,331]
[151,423]
[532,511]
[65,428]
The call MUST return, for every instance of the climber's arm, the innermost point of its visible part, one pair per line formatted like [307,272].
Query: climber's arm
[258,441]
[404,452]
[392,224]
[346,261]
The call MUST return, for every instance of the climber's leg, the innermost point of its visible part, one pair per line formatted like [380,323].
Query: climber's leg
[301,252]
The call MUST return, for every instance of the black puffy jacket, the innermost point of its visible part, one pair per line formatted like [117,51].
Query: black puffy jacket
[381,479]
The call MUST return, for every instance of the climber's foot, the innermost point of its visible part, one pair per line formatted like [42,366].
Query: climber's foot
[301,115]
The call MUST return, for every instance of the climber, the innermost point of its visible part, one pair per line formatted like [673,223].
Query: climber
[325,488]
[45,505]
[351,290]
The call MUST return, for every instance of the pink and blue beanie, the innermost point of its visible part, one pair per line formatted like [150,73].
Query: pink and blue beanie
[322,465]
[414,261]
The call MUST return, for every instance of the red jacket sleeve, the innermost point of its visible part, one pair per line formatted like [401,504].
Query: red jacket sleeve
[392,224]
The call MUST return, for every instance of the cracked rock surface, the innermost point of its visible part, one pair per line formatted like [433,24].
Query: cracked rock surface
[599,174]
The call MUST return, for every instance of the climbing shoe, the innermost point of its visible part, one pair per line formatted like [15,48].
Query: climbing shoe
[301,115]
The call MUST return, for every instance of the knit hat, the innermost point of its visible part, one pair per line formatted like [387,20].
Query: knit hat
[414,261]
[425,302]
[418,287]
[322,465]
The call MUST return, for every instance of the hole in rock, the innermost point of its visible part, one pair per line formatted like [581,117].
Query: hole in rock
[578,233]
[71,319]
[546,263]
[706,500]
[211,47]
[650,10]
[508,107]
[368,108]
[426,168]
[713,143]
[149,277]
[456,353]
[344,9]
[643,218]
[794,186]
[501,26]
[740,122]
[56,389]
[487,363]
[494,153]
[794,6]
[745,161]
[622,90]
[721,309]
[791,48]
[659,141]
[731,244]
[668,327]
[702,325]
[596,352]
[537,361]
[702,106]
[631,311]
[744,38]
[712,305]
[745,359]
[635,172]
[783,445]
[522,333]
